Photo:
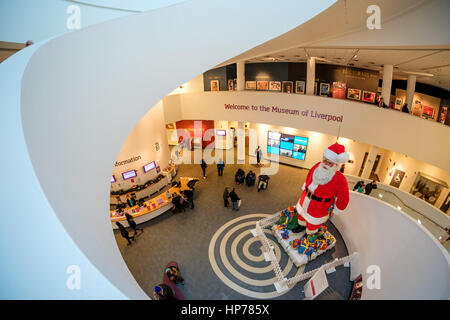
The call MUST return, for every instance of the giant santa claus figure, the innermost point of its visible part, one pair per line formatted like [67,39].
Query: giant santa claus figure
[324,187]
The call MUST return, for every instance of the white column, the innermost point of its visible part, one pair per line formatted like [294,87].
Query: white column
[388,71]
[410,88]
[369,162]
[241,141]
[240,75]
[310,75]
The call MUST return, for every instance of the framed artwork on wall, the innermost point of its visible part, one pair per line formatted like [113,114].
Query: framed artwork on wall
[324,89]
[288,86]
[250,85]
[446,204]
[354,94]
[397,178]
[275,85]
[427,188]
[428,112]
[262,85]
[214,85]
[398,103]
[300,87]
[230,85]
[368,96]
[338,90]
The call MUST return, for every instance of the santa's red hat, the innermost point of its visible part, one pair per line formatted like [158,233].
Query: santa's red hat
[336,153]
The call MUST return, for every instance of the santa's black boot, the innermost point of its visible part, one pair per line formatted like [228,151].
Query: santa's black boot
[298,229]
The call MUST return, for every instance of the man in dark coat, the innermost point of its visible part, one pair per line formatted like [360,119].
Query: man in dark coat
[370,186]
[132,223]
[124,232]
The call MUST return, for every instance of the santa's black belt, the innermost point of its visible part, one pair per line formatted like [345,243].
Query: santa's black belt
[311,195]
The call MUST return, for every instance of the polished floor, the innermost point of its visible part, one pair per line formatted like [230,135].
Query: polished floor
[218,256]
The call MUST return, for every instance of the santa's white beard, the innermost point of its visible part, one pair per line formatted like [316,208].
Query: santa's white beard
[323,174]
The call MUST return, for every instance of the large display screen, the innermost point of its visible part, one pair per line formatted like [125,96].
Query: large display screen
[149,166]
[287,145]
[129,174]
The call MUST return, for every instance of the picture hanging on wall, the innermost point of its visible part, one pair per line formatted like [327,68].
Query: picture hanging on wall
[428,112]
[250,85]
[398,103]
[214,85]
[275,85]
[354,94]
[324,89]
[338,90]
[427,188]
[368,96]
[230,85]
[300,87]
[417,108]
[397,178]
[288,86]
[262,85]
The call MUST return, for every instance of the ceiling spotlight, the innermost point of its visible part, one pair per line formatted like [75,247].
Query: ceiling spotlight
[380,195]
[424,74]
[399,208]
[418,221]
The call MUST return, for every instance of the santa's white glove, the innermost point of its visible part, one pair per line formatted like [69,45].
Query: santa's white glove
[337,212]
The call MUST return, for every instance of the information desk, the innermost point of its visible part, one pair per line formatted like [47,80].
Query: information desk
[168,174]
[151,208]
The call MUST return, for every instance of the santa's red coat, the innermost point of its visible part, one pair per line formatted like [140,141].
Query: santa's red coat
[315,212]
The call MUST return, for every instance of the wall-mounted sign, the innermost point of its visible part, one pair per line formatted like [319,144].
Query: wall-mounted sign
[129,174]
[133,159]
[221,132]
[149,166]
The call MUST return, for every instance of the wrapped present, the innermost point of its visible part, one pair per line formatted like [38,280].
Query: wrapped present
[295,243]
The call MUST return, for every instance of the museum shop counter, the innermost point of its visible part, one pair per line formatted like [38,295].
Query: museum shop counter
[152,207]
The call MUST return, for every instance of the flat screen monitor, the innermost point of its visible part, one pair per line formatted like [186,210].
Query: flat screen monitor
[113,179]
[274,135]
[287,145]
[149,166]
[221,132]
[129,174]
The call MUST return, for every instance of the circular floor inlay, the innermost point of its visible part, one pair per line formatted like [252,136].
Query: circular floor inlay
[235,245]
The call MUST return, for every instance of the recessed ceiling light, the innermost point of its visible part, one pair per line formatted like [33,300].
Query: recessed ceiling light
[418,220]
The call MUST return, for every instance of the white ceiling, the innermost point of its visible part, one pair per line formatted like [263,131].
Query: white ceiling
[429,61]
[338,33]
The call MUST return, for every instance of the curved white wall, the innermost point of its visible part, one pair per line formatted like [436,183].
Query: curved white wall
[77,100]
[413,264]
[389,129]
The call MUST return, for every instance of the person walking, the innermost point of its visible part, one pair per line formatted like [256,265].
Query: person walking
[258,153]
[163,292]
[190,197]
[124,232]
[226,195]
[220,166]
[204,165]
[132,223]
[357,185]
[235,200]
[369,187]
[405,108]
